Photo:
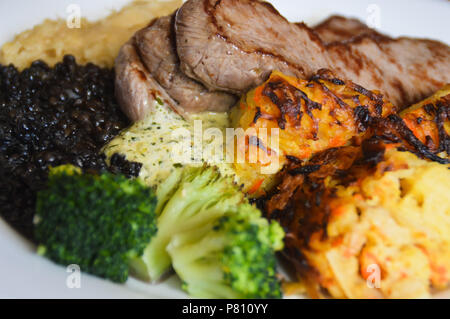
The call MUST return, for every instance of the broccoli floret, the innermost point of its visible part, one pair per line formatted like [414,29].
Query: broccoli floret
[188,198]
[99,222]
[231,257]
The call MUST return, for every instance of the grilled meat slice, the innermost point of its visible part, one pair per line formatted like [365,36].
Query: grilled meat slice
[156,48]
[405,70]
[233,45]
[135,88]
[338,29]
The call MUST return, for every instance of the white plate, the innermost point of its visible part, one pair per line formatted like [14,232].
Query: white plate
[26,275]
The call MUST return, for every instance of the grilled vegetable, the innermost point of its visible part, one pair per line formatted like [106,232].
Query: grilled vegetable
[422,129]
[366,214]
[429,121]
[310,115]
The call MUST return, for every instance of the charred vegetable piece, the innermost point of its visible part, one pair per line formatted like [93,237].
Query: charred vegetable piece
[311,115]
[422,129]
[429,121]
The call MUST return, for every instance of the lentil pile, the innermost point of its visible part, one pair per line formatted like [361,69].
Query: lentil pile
[48,117]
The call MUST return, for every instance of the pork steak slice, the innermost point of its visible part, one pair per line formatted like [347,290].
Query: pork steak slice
[338,28]
[234,50]
[156,48]
[233,45]
[135,88]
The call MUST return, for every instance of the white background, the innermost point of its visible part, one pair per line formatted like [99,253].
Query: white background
[26,275]
[419,18]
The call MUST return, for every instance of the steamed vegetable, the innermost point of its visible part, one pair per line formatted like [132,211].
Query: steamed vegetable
[186,199]
[231,257]
[215,240]
[99,222]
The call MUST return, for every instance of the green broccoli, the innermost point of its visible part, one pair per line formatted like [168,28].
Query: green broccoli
[217,243]
[189,197]
[99,222]
[232,257]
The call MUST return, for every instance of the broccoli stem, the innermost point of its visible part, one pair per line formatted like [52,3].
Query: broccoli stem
[185,202]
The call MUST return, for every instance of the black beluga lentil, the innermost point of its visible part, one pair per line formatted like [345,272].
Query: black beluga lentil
[51,116]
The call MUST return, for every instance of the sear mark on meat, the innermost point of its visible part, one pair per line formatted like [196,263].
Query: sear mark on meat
[147,69]
[135,87]
[339,29]
[233,45]
[155,45]
[229,45]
